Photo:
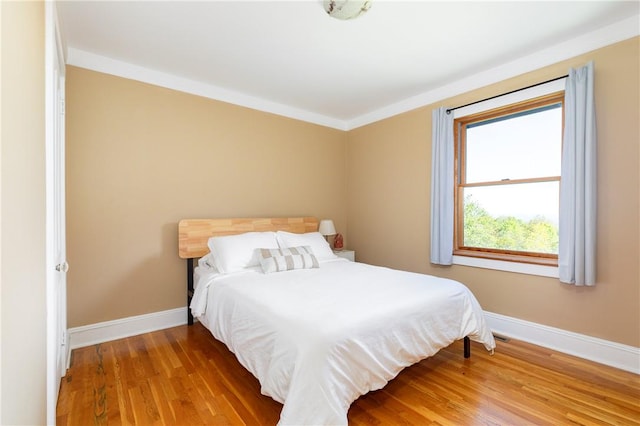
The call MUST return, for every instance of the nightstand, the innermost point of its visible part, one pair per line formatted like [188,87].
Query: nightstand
[346,254]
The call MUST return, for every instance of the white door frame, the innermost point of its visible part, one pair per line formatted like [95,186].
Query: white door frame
[56,266]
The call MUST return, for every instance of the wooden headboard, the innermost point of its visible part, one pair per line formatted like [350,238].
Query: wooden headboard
[193,235]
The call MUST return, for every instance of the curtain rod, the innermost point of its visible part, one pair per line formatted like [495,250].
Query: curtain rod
[508,93]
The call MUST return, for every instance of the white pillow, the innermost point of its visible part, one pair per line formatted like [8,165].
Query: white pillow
[207,261]
[236,252]
[315,240]
[286,259]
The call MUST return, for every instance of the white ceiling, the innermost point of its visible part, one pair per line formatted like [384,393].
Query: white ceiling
[293,59]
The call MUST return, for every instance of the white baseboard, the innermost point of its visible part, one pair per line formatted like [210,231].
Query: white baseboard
[601,351]
[93,334]
[598,350]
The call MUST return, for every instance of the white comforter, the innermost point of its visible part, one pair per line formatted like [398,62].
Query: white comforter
[317,339]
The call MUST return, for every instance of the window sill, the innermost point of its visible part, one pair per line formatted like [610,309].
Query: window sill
[501,265]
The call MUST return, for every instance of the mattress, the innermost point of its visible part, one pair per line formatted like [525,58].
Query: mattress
[317,339]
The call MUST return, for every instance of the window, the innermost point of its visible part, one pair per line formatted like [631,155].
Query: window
[507,181]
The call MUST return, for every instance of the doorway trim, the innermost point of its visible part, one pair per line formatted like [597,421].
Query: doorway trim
[57,345]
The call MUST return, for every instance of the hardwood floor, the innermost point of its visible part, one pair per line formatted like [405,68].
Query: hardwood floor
[183,376]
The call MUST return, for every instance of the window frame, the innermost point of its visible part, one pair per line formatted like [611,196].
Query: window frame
[460,123]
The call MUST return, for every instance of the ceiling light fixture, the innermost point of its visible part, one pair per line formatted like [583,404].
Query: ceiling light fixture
[346,9]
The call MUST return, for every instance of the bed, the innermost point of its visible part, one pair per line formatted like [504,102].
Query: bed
[317,331]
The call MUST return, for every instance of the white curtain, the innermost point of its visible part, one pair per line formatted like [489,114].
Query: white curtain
[442,187]
[577,226]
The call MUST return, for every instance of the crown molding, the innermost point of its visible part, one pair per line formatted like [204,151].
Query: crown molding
[103,64]
[619,31]
[605,36]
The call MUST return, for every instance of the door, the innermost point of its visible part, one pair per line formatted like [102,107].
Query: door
[57,267]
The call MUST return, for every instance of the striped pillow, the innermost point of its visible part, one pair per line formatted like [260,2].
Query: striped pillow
[286,259]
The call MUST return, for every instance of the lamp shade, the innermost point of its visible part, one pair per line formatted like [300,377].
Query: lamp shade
[326,227]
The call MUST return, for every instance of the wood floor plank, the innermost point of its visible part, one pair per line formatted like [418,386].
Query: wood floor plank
[161,398]
[183,376]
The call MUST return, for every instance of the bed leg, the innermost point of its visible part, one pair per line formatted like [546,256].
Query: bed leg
[467,347]
[189,290]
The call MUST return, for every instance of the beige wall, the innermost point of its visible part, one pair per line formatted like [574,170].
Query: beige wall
[141,157]
[22,217]
[388,190]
